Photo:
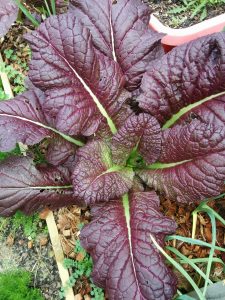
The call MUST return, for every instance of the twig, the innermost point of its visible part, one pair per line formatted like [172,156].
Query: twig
[59,256]
[5,81]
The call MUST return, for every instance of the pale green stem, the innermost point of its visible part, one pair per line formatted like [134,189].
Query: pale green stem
[184,110]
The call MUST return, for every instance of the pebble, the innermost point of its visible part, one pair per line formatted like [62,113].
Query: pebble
[30,244]
[38,260]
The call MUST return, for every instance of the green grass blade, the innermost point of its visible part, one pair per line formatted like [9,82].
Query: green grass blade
[27,13]
[192,241]
[203,260]
[212,250]
[215,214]
[179,268]
[53,7]
[47,7]
[188,261]
[194,224]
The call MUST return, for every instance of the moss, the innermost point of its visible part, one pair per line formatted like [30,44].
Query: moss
[16,285]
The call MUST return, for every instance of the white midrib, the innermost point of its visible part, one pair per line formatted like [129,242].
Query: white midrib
[172,120]
[188,108]
[66,137]
[126,207]
[93,96]
[112,35]
[113,169]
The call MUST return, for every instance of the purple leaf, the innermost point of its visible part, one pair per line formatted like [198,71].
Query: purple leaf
[81,85]
[126,263]
[127,40]
[59,151]
[119,119]
[141,133]
[8,15]
[22,120]
[26,188]
[96,178]
[192,156]
[185,75]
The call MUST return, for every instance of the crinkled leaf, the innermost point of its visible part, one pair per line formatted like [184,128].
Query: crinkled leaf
[59,151]
[27,188]
[8,15]
[185,75]
[125,112]
[142,133]
[22,120]
[78,82]
[194,153]
[96,178]
[126,263]
[121,31]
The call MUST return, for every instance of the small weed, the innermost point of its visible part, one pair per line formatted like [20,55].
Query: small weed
[81,268]
[196,7]
[16,76]
[29,225]
[3,95]
[15,285]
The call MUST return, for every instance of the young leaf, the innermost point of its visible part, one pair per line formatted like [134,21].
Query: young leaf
[141,133]
[193,156]
[96,178]
[81,85]
[127,40]
[27,188]
[187,74]
[8,15]
[126,263]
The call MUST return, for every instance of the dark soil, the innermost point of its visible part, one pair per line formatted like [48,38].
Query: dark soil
[161,9]
[36,256]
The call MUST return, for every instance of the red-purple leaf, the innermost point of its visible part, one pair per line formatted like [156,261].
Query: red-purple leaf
[126,263]
[22,120]
[96,178]
[194,153]
[185,75]
[127,40]
[191,181]
[122,115]
[81,85]
[26,188]
[141,133]
[8,15]
[59,151]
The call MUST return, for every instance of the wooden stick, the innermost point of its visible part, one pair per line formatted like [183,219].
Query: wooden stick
[5,82]
[59,256]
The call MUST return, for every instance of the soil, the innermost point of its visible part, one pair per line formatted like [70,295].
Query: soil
[161,9]
[35,256]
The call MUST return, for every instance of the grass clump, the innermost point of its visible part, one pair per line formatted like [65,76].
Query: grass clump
[16,285]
